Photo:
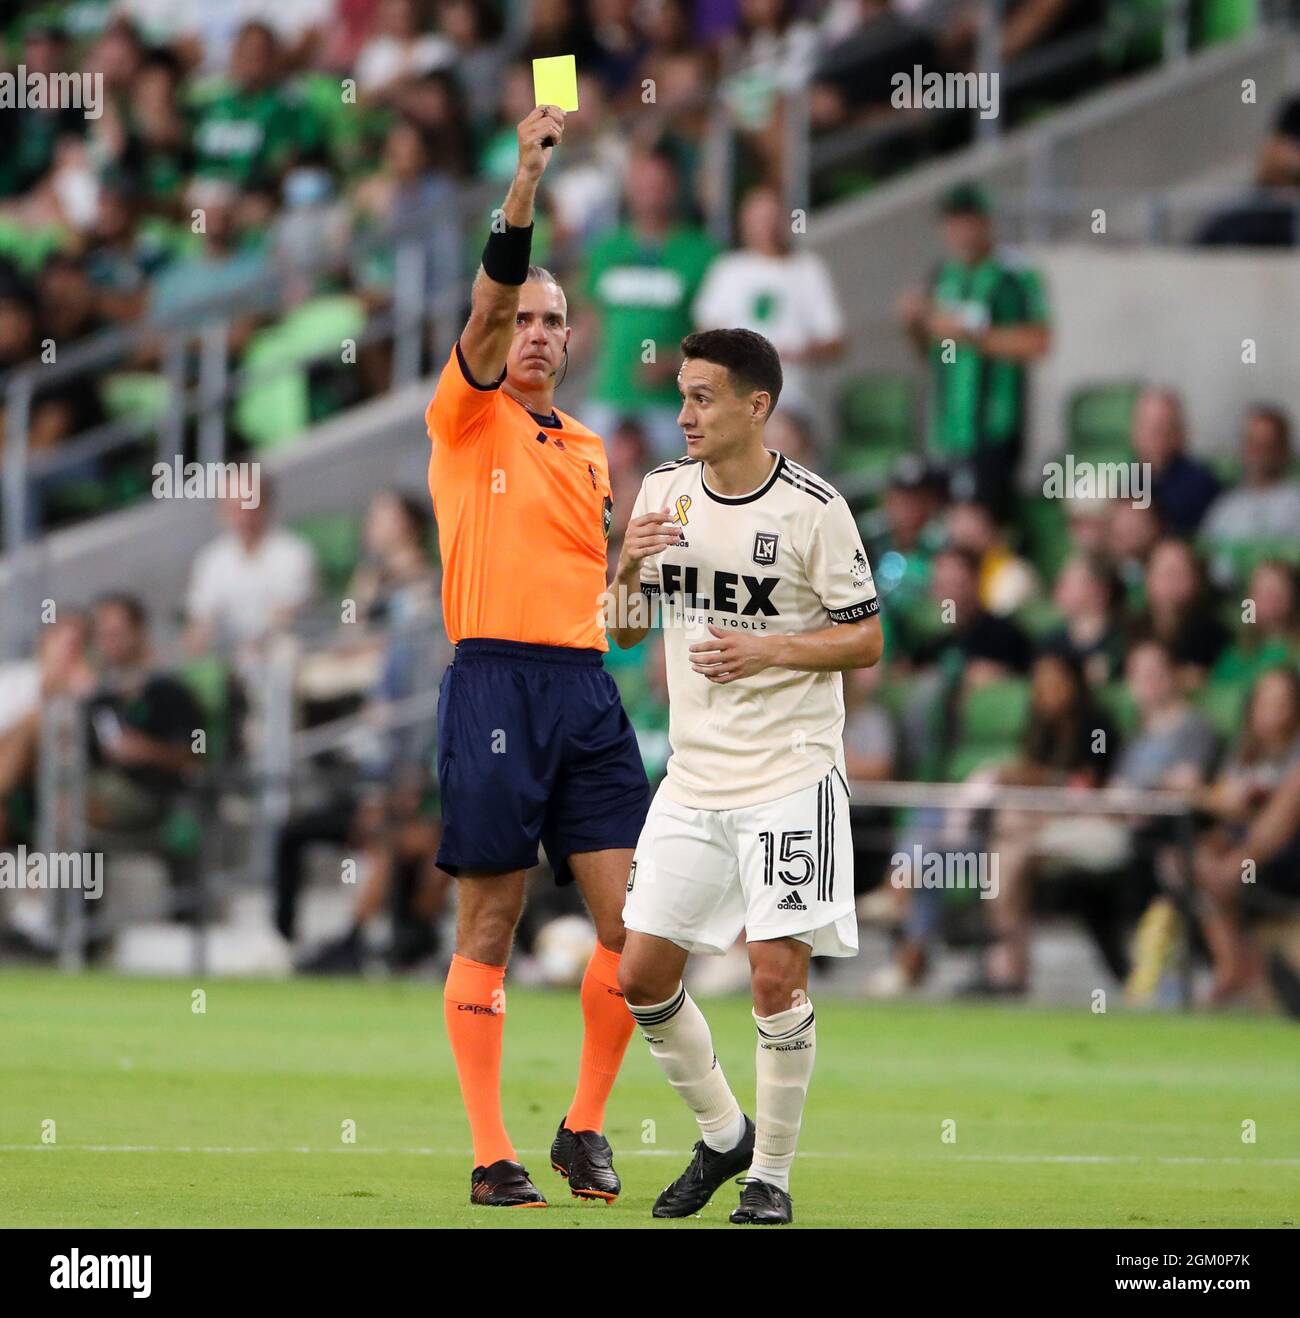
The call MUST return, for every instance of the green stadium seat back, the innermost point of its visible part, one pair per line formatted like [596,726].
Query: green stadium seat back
[965,760]
[1117,704]
[995,714]
[275,407]
[208,680]
[1223,704]
[1098,421]
[1223,20]
[182,834]
[1234,560]
[1134,32]
[1039,617]
[878,412]
[336,540]
[1046,532]
[141,396]
[30,246]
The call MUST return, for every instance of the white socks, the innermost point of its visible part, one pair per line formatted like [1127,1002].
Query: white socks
[787,1047]
[680,1042]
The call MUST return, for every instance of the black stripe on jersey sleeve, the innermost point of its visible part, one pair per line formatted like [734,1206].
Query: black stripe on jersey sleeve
[800,484]
[856,612]
[811,479]
[649,588]
[470,380]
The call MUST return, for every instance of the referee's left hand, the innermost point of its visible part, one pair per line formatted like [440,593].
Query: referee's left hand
[729,655]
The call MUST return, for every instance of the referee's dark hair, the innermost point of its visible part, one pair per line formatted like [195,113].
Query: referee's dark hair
[752,361]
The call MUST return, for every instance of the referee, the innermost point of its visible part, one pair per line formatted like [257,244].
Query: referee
[533,742]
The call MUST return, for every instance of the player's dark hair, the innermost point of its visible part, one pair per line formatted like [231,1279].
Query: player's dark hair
[750,359]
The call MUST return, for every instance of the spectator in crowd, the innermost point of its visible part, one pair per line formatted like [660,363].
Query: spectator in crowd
[1255,802]
[642,280]
[399,50]
[629,459]
[1090,596]
[1067,743]
[1175,747]
[142,721]
[1267,218]
[1129,535]
[1007,581]
[1270,630]
[223,266]
[790,431]
[60,669]
[782,293]
[972,646]
[1179,611]
[1182,488]
[149,139]
[255,126]
[250,582]
[30,135]
[902,538]
[1266,505]
[979,326]
[119,263]
[853,79]
[473,29]
[401,651]
[585,191]
[621,46]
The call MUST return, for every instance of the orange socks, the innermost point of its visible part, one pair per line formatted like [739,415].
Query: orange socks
[608,1027]
[474,1006]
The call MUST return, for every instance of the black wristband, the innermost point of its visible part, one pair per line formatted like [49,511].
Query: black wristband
[506,255]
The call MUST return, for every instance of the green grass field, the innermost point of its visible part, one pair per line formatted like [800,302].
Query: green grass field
[235,1117]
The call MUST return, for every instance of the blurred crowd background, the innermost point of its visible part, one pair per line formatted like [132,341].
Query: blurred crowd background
[305,166]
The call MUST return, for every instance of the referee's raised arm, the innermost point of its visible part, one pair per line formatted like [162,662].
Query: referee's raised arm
[495,303]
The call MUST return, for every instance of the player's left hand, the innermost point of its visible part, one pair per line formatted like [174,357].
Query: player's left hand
[730,655]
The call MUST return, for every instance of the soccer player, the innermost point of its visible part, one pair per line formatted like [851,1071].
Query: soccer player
[533,742]
[766,597]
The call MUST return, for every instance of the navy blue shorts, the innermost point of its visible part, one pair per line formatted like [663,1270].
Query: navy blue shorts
[534,746]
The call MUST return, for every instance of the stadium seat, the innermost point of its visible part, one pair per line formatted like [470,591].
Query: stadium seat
[877,423]
[336,540]
[1046,532]
[276,409]
[1117,704]
[1223,704]
[1098,419]
[995,713]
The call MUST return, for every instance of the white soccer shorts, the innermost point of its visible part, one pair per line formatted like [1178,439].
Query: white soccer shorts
[782,869]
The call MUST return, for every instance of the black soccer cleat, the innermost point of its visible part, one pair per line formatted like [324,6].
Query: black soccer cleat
[762,1204]
[585,1160]
[706,1172]
[504,1184]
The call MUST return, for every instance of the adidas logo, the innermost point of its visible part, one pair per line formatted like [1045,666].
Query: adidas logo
[791,902]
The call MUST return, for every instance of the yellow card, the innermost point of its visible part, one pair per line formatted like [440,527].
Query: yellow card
[555,82]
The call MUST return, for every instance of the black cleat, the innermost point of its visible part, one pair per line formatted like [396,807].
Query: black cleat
[585,1160]
[707,1170]
[762,1204]
[504,1184]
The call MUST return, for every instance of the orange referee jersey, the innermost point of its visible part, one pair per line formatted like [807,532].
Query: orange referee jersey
[523,508]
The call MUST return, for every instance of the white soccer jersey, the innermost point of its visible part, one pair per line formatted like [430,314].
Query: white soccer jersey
[785,558]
